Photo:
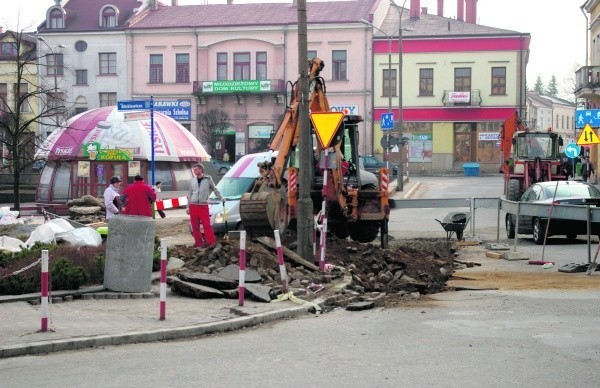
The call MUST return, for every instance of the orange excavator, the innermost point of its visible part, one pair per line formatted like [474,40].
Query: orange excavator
[528,157]
[357,201]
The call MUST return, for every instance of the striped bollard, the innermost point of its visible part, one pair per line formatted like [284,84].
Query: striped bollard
[242,280]
[44,290]
[323,239]
[163,282]
[282,270]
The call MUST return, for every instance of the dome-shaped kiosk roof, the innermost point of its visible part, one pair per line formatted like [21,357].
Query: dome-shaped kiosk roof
[172,142]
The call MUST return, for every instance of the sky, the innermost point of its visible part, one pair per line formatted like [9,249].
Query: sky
[557,28]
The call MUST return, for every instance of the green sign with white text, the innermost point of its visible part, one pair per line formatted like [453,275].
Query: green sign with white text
[236,86]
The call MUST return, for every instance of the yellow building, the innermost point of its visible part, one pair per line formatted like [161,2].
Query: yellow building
[18,65]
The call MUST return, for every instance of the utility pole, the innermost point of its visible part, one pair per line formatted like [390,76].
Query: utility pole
[305,217]
[400,177]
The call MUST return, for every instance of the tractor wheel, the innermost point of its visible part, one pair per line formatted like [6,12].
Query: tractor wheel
[364,231]
[514,190]
[539,232]
[510,227]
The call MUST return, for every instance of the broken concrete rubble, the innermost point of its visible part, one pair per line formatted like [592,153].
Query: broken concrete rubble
[370,274]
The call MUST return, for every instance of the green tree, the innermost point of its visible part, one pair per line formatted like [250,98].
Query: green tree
[24,104]
[539,85]
[552,88]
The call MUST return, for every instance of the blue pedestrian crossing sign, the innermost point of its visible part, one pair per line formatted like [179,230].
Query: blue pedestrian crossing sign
[387,121]
[585,117]
[572,150]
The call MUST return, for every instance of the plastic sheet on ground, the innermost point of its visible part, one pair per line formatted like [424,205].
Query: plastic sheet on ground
[11,244]
[61,229]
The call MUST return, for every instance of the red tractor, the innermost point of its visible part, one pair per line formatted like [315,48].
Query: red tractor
[528,157]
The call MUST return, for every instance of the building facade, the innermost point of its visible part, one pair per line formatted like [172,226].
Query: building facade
[231,64]
[460,81]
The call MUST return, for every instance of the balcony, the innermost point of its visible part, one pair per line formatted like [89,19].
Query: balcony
[264,87]
[461,99]
[587,83]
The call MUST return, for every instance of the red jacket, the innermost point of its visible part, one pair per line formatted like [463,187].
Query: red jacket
[139,197]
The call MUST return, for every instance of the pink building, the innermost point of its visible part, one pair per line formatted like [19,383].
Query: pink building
[231,63]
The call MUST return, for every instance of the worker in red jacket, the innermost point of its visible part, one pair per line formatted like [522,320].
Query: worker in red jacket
[139,198]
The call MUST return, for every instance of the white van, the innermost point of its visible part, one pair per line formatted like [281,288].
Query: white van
[238,180]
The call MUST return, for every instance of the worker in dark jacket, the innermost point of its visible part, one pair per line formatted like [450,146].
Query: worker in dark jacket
[139,197]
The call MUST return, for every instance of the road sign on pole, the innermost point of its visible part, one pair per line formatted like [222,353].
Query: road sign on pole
[133,105]
[136,116]
[387,121]
[585,117]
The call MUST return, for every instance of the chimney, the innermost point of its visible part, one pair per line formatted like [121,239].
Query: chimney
[424,10]
[471,11]
[440,8]
[174,3]
[1,29]
[415,9]
[229,2]
[153,5]
[460,10]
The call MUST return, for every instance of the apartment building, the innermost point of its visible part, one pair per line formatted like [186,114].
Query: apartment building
[460,81]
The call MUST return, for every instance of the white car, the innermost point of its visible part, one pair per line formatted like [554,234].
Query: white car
[237,181]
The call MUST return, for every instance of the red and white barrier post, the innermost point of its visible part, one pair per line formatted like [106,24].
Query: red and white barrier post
[242,280]
[323,239]
[163,282]
[44,290]
[282,270]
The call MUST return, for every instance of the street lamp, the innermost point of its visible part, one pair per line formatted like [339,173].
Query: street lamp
[389,39]
[54,70]
[400,121]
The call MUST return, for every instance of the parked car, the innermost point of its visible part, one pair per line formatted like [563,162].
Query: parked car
[372,164]
[567,193]
[221,167]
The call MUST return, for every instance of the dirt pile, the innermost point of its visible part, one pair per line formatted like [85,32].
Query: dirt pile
[357,271]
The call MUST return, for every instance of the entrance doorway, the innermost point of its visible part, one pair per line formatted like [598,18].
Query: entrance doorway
[464,143]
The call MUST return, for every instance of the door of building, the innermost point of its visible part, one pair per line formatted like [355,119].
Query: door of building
[464,143]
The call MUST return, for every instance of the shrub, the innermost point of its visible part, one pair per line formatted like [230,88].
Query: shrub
[66,276]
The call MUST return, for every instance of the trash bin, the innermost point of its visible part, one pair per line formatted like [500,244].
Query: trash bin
[471,169]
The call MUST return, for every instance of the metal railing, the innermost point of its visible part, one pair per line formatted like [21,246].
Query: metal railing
[587,213]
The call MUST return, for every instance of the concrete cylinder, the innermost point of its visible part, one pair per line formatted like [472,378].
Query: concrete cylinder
[129,249]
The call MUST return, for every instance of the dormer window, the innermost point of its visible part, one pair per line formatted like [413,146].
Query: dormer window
[108,17]
[56,19]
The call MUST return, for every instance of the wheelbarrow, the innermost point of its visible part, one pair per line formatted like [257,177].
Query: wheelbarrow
[455,222]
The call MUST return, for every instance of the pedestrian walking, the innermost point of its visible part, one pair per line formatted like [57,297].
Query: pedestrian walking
[112,202]
[201,186]
[139,197]
[157,190]
[587,169]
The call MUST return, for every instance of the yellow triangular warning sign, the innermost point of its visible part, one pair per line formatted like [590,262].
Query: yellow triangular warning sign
[326,124]
[588,136]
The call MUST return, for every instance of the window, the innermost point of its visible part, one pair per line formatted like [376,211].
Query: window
[109,17]
[156,69]
[108,99]
[498,81]
[9,49]
[56,19]
[108,63]
[54,64]
[261,65]
[241,66]
[221,66]
[3,97]
[338,61]
[81,46]
[81,77]
[425,82]
[389,81]
[22,96]
[182,70]
[462,79]
[312,54]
